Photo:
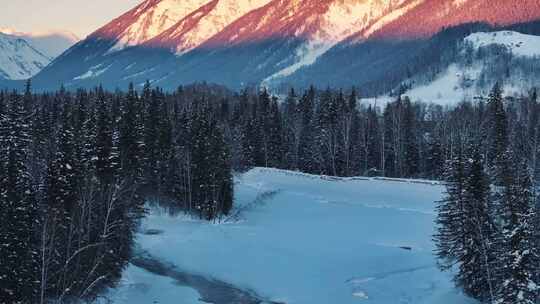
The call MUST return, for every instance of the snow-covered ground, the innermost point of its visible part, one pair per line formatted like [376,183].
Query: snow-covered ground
[304,239]
[447,89]
[141,287]
[519,44]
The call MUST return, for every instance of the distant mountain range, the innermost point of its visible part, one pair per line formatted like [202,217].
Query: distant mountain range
[22,55]
[373,44]
[51,43]
[19,59]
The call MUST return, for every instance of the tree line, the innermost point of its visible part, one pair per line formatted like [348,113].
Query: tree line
[488,224]
[77,169]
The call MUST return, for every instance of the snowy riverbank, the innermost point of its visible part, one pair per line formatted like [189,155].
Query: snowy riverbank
[314,240]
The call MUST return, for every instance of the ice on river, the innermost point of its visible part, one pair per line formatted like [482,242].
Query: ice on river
[305,239]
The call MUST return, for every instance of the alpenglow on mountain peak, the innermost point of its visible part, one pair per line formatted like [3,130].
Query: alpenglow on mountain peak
[184,25]
[146,21]
[178,24]
[271,42]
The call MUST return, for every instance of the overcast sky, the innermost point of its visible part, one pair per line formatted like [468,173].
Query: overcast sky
[80,17]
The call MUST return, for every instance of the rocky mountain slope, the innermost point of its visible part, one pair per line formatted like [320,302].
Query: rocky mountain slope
[368,43]
[50,43]
[19,59]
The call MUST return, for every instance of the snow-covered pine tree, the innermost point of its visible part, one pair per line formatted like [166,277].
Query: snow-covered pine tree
[89,136]
[327,139]
[110,209]
[224,178]
[340,134]
[210,165]
[165,151]
[411,161]
[306,140]
[465,230]
[131,142]
[500,163]
[152,118]
[252,141]
[533,132]
[262,120]
[451,213]
[498,135]
[28,98]
[19,242]
[477,260]
[349,127]
[373,144]
[40,143]
[520,257]
[79,117]
[3,102]
[275,144]
[434,163]
[61,199]
[354,139]
[291,126]
[391,139]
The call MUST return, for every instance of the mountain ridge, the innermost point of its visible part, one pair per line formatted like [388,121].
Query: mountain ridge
[19,59]
[50,43]
[269,42]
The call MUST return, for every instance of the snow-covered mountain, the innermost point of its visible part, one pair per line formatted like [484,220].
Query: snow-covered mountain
[146,21]
[203,24]
[53,43]
[274,42]
[50,43]
[18,59]
[427,17]
[378,56]
[320,24]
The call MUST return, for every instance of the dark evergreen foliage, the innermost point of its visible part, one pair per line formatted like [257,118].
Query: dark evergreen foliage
[19,244]
[78,168]
[486,224]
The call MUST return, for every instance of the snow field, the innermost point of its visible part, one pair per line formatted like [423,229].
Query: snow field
[314,240]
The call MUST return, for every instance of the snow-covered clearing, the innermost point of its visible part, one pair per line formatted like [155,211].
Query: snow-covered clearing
[519,44]
[303,239]
[447,88]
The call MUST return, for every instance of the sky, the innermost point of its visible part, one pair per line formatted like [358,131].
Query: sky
[80,17]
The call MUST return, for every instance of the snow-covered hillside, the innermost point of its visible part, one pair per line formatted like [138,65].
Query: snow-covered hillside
[447,89]
[519,44]
[460,82]
[299,239]
[18,59]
